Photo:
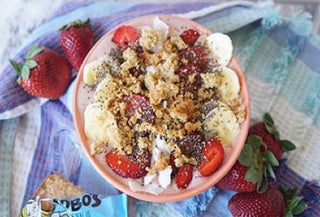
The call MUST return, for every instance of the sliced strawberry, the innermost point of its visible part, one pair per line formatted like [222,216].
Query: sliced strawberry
[190,36]
[186,70]
[131,166]
[125,36]
[138,103]
[195,55]
[184,176]
[212,156]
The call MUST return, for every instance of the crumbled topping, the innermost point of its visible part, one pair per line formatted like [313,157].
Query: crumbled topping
[176,102]
[150,37]
[181,159]
[184,110]
[238,109]
[160,164]
[178,42]
[98,148]
[131,60]
[190,127]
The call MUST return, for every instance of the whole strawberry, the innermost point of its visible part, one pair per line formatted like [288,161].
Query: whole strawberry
[76,40]
[271,137]
[251,171]
[44,74]
[271,203]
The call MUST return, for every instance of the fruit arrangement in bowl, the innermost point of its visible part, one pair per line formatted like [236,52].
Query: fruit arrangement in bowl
[161,107]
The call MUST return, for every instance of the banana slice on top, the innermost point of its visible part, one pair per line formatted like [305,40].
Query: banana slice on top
[229,84]
[100,125]
[221,47]
[102,89]
[93,72]
[222,122]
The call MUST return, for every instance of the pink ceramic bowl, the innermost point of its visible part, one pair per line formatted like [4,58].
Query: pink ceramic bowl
[82,97]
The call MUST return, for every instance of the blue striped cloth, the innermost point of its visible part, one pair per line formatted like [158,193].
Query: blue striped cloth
[280,59]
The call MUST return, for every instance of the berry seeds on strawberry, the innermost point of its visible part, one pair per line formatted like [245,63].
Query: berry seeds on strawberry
[184,176]
[212,157]
[138,103]
[195,55]
[251,171]
[125,36]
[271,203]
[76,40]
[44,74]
[190,36]
[271,137]
[128,166]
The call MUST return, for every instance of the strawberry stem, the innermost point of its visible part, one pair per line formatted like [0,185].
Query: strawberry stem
[76,23]
[294,203]
[23,69]
[260,164]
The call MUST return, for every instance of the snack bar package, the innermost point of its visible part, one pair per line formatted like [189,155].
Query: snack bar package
[86,205]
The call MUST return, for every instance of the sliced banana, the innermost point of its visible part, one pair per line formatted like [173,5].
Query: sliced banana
[222,122]
[100,125]
[221,47]
[95,71]
[102,89]
[229,84]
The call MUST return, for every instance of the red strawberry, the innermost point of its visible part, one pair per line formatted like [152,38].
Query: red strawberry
[76,40]
[186,70]
[125,36]
[270,136]
[184,176]
[131,166]
[195,55]
[44,74]
[251,169]
[212,157]
[139,103]
[270,203]
[190,36]
[235,180]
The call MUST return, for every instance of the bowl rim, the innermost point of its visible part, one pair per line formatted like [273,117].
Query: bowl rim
[178,195]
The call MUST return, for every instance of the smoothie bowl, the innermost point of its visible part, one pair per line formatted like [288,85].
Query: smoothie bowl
[161,107]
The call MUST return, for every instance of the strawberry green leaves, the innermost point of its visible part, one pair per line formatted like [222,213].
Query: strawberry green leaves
[294,203]
[76,23]
[270,126]
[286,145]
[34,50]
[260,164]
[23,69]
